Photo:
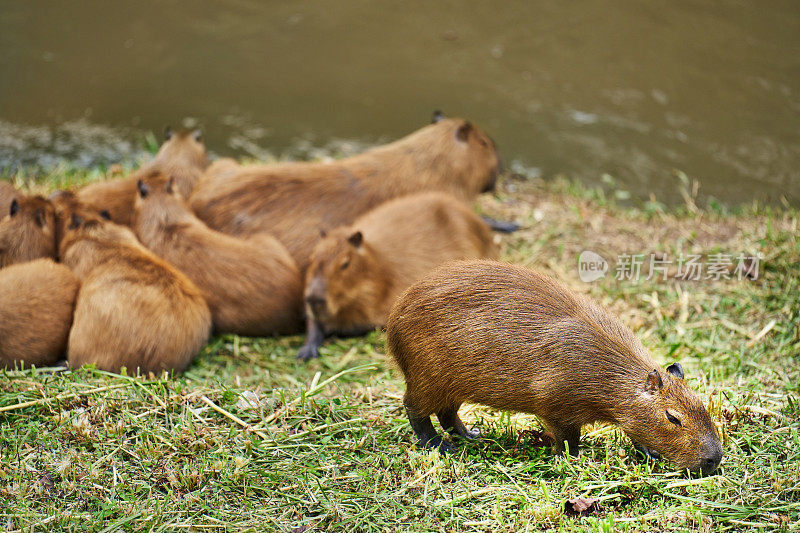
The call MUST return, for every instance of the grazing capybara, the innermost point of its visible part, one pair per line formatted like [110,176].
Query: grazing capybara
[513,339]
[27,230]
[182,156]
[252,285]
[293,201]
[36,303]
[7,193]
[134,309]
[358,271]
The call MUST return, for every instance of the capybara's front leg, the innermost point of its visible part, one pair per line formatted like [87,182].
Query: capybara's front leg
[315,334]
[424,430]
[451,422]
[566,435]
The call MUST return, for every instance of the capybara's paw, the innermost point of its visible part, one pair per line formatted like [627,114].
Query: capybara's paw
[501,226]
[307,352]
[439,443]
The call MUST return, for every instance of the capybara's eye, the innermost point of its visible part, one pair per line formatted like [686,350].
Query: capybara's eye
[673,419]
[483,143]
[345,264]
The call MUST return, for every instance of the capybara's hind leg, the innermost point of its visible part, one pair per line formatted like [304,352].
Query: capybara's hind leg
[424,430]
[450,421]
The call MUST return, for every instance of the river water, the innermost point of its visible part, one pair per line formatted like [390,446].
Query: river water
[639,91]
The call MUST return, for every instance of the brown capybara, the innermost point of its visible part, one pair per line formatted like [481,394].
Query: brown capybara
[358,271]
[252,285]
[27,230]
[182,156]
[36,303]
[7,193]
[505,336]
[221,168]
[293,201]
[134,310]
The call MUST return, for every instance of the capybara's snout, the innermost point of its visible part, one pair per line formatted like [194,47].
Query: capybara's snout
[711,457]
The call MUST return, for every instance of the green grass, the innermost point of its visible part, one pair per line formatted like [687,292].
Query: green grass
[326,446]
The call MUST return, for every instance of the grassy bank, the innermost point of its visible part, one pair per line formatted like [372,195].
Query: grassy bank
[248,438]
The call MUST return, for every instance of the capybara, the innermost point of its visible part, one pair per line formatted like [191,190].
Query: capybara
[252,285]
[181,156]
[36,303]
[293,201]
[7,193]
[27,230]
[505,336]
[358,271]
[134,309]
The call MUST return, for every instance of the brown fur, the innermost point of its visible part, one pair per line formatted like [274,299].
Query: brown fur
[182,157]
[252,285]
[403,240]
[513,339]
[133,310]
[7,193]
[36,303]
[29,233]
[222,168]
[294,200]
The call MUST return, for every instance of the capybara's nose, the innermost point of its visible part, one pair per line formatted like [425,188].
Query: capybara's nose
[710,463]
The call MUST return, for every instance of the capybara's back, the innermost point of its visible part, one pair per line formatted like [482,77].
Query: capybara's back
[133,310]
[252,285]
[181,156]
[293,201]
[508,337]
[37,299]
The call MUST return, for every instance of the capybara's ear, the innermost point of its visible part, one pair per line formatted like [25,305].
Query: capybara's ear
[105,214]
[654,382]
[437,116]
[170,187]
[462,133]
[356,239]
[14,207]
[144,190]
[167,133]
[75,221]
[676,370]
[198,135]
[38,217]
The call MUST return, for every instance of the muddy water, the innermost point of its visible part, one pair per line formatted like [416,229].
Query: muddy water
[635,90]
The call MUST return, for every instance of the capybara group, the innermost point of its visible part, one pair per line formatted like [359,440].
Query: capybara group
[510,338]
[36,303]
[293,201]
[252,285]
[358,271]
[182,156]
[133,310]
[27,230]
